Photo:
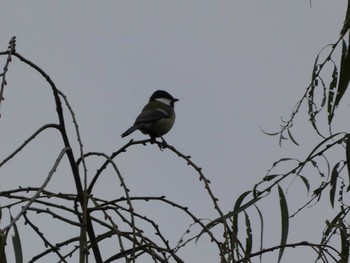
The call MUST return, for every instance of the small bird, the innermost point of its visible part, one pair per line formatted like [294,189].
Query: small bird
[157,117]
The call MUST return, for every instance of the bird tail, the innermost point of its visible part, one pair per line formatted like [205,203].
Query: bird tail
[130,130]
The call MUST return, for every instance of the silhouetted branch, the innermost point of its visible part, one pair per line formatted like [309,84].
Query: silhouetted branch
[30,202]
[11,50]
[317,247]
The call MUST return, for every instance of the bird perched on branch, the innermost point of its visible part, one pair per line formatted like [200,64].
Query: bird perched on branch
[157,117]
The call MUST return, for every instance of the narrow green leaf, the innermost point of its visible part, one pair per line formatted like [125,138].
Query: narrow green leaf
[347,153]
[306,182]
[17,245]
[249,238]
[281,139]
[3,238]
[314,150]
[231,214]
[235,208]
[244,207]
[292,138]
[333,183]
[344,243]
[269,133]
[283,160]
[314,83]
[314,71]
[312,111]
[284,221]
[324,97]
[330,227]
[344,76]
[261,231]
[346,24]
[332,94]
[255,191]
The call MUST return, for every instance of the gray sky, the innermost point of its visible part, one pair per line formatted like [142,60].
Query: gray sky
[234,65]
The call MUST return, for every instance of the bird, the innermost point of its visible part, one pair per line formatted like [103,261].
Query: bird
[157,116]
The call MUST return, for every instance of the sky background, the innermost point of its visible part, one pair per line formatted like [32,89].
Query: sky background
[236,66]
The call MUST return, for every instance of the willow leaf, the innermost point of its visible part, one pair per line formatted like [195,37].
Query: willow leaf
[3,238]
[306,182]
[346,24]
[16,241]
[261,231]
[344,243]
[333,183]
[330,227]
[235,208]
[344,76]
[284,222]
[332,94]
[249,238]
[231,214]
[347,153]
[292,138]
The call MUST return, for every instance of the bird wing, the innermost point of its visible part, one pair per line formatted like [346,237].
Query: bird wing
[151,116]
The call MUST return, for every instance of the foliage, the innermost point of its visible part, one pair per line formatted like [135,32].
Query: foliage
[233,232]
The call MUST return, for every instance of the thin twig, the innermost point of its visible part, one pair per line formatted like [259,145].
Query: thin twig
[11,49]
[47,180]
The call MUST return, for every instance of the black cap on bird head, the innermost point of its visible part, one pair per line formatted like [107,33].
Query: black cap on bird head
[159,94]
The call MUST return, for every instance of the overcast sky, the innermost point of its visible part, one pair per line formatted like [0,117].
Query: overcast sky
[236,66]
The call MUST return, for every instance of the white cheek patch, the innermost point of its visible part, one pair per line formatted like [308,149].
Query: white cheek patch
[164,100]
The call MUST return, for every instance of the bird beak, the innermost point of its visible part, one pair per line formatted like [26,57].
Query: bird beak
[175,100]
